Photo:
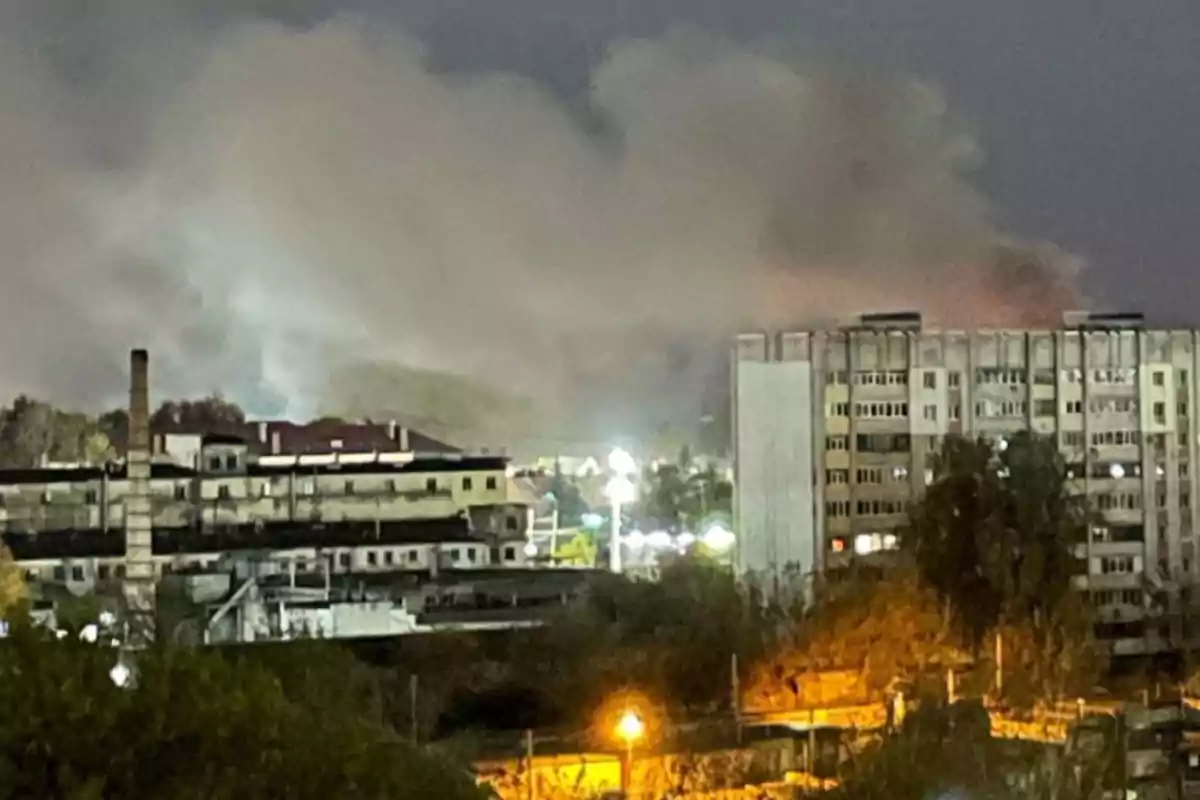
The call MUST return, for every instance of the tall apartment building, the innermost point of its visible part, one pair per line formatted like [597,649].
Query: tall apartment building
[833,429]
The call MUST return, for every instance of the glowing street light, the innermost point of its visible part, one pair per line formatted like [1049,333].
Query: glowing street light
[630,729]
[620,490]
[718,538]
[621,463]
[120,674]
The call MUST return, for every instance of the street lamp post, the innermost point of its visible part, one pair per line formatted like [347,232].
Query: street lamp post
[621,490]
[630,728]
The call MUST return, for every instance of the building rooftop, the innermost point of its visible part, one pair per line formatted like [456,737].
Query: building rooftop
[281,437]
[164,470]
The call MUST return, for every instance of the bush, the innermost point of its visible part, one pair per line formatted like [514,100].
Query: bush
[193,725]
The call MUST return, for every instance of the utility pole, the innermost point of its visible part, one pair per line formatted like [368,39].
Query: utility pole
[999,665]
[554,535]
[530,779]
[735,692]
[412,708]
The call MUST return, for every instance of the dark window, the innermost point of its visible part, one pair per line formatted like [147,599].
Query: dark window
[231,462]
[214,464]
[510,554]
[90,497]
[454,554]
[491,484]
[412,556]
[372,557]
[102,571]
[471,554]
[60,573]
[181,492]
[467,484]
[76,573]
[431,484]
[510,523]
[388,557]
[119,570]
[349,487]
[344,559]
[223,492]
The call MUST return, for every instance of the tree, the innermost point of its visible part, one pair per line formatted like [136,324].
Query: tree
[212,413]
[672,639]
[32,432]
[13,589]
[995,534]
[944,751]
[882,629]
[1051,659]
[114,425]
[193,725]
[568,500]
[683,496]
[995,531]
[665,497]
[580,550]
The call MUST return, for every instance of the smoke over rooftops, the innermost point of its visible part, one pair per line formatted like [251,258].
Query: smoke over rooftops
[285,201]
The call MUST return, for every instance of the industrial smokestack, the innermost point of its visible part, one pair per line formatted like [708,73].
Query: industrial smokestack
[139,588]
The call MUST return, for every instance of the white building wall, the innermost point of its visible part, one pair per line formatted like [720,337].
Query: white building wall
[775,505]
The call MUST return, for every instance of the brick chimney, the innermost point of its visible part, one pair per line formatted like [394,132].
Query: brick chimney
[138,586]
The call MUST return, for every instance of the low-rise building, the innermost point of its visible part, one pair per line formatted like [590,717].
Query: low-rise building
[231,485]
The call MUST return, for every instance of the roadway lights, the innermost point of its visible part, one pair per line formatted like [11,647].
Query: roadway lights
[621,463]
[120,675]
[660,540]
[621,490]
[630,729]
[718,538]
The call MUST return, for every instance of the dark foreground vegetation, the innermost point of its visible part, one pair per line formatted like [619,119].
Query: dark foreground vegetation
[987,557]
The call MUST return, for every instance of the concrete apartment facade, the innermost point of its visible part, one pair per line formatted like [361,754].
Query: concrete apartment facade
[833,431]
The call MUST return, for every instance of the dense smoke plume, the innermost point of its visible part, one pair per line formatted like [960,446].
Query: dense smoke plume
[261,205]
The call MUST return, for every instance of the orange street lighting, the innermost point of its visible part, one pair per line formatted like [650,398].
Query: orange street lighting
[630,728]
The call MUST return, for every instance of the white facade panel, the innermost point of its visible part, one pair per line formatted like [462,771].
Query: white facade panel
[777,542]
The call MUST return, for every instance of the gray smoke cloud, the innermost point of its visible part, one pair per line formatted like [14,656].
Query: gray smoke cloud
[263,205]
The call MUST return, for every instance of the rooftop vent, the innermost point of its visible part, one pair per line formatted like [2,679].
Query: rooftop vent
[902,320]
[1103,319]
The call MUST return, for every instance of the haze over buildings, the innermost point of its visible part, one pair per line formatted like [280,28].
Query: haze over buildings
[269,204]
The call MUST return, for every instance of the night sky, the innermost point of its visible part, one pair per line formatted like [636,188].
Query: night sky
[152,192]
[1089,110]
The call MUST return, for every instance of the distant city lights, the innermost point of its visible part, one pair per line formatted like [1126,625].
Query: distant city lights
[660,540]
[719,538]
